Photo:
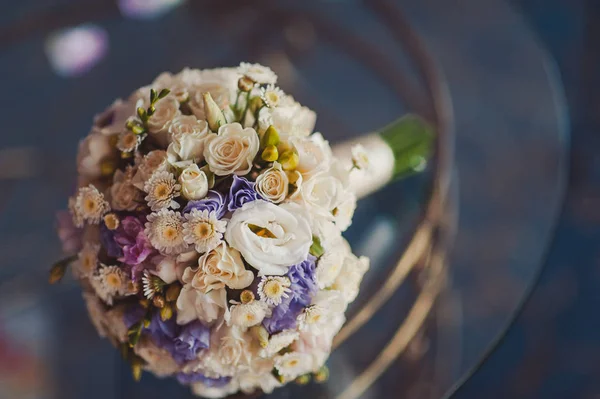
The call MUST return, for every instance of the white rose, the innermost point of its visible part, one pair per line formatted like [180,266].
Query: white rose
[273,183]
[290,120]
[271,238]
[194,183]
[232,150]
[167,109]
[175,85]
[188,136]
[349,279]
[230,351]
[223,266]
[321,194]
[195,305]
[201,390]
[314,155]
[344,212]
[258,73]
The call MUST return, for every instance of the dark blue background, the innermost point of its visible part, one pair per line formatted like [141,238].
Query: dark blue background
[554,351]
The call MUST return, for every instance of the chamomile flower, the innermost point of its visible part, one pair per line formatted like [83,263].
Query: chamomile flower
[151,284]
[258,73]
[248,314]
[278,342]
[129,141]
[312,317]
[89,206]
[87,260]
[203,230]
[162,189]
[272,289]
[272,96]
[293,364]
[360,158]
[164,229]
[109,282]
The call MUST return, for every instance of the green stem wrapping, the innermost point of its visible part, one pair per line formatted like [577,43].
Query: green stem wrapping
[411,139]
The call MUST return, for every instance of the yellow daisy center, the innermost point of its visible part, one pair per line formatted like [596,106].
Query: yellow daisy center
[204,230]
[170,233]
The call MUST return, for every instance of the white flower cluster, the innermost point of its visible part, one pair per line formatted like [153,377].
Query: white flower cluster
[211,222]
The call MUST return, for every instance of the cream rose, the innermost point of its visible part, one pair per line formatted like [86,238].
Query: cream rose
[232,150]
[124,195]
[188,136]
[291,119]
[194,183]
[220,83]
[349,279]
[167,109]
[344,211]
[223,266]
[273,184]
[330,266]
[271,238]
[93,151]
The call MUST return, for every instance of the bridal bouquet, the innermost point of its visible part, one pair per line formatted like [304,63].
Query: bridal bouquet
[206,232]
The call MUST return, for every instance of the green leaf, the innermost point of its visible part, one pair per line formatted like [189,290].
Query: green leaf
[134,334]
[316,249]
[163,93]
[411,139]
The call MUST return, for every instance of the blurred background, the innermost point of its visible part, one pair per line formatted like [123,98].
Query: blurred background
[512,87]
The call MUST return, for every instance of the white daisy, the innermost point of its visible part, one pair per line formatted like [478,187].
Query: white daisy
[128,141]
[258,73]
[162,189]
[109,282]
[293,364]
[312,318]
[203,230]
[272,96]
[89,205]
[246,315]
[360,158]
[151,284]
[87,260]
[164,229]
[278,342]
[272,289]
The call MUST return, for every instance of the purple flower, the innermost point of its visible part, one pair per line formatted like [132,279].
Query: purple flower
[182,342]
[70,236]
[241,191]
[107,238]
[132,241]
[303,288]
[188,379]
[214,201]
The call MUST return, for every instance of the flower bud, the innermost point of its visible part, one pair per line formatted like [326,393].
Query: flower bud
[247,296]
[166,313]
[322,375]
[270,154]
[261,334]
[271,137]
[173,292]
[158,301]
[57,273]
[111,221]
[136,369]
[255,104]
[289,160]
[107,167]
[245,84]
[303,379]
[214,115]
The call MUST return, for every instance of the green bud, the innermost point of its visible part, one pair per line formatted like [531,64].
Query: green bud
[57,273]
[153,96]
[142,114]
[271,137]
[137,129]
[270,154]
[255,104]
[245,84]
[261,334]
[166,313]
[289,160]
[136,370]
[316,249]
[322,375]
[303,379]
[214,115]
[163,93]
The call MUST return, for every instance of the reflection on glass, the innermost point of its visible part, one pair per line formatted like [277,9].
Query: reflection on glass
[74,51]
[146,9]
